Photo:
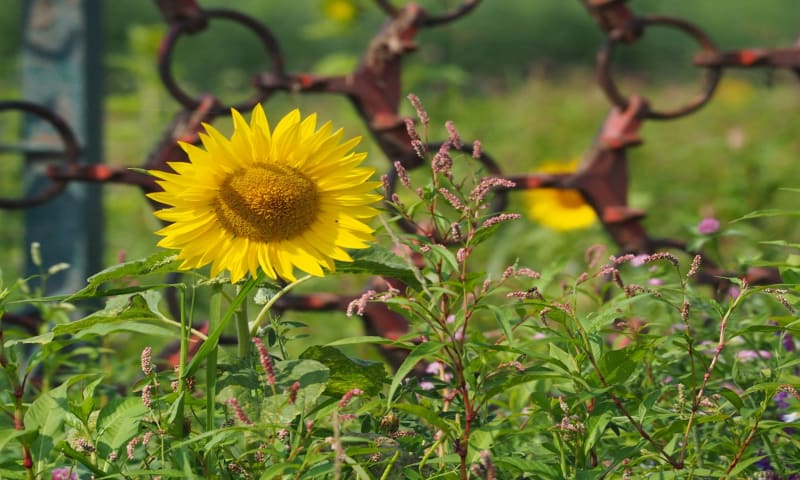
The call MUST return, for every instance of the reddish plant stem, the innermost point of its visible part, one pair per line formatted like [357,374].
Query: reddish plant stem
[707,375]
[740,453]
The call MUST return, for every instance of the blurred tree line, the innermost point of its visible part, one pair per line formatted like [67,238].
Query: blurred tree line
[500,42]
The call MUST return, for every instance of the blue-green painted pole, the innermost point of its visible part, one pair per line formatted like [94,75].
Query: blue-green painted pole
[61,69]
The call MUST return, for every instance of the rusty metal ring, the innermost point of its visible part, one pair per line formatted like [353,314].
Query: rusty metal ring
[609,87]
[169,41]
[70,154]
[499,201]
[431,21]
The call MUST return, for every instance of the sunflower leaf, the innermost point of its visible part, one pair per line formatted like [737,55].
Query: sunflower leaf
[347,373]
[160,262]
[378,260]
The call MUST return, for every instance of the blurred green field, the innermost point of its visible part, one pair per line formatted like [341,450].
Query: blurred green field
[523,86]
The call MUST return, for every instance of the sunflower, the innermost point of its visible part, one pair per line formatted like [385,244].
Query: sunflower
[342,11]
[559,209]
[294,197]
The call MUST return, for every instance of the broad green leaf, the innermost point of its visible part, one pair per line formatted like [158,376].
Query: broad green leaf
[618,365]
[732,397]
[139,327]
[445,254]
[790,275]
[347,373]
[160,262]
[312,376]
[117,423]
[378,260]
[276,409]
[418,353]
[8,434]
[46,417]
[88,396]
[564,358]
[138,307]
[595,427]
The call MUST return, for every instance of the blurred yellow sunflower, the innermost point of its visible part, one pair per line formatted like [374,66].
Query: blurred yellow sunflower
[557,208]
[342,11]
[295,197]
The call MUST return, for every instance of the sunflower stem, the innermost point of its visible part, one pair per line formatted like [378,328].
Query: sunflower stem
[215,304]
[186,333]
[263,315]
[242,333]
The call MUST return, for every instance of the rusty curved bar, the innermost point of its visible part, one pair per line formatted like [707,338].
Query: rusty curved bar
[609,86]
[70,155]
[432,20]
[190,102]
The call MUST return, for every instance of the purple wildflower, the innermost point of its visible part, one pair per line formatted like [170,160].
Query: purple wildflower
[708,225]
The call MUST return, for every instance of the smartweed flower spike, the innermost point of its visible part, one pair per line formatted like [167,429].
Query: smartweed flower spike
[453,137]
[147,364]
[266,361]
[269,200]
[237,409]
[421,113]
[349,396]
[477,149]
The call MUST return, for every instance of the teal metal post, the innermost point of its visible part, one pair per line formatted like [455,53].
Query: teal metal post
[61,69]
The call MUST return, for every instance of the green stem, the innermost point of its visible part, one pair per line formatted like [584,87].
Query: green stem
[242,333]
[264,313]
[186,329]
[215,304]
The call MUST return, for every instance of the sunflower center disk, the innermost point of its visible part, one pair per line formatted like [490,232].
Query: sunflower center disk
[267,203]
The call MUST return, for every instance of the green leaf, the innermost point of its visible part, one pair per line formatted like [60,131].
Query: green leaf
[596,426]
[312,376]
[88,396]
[418,353]
[732,397]
[790,276]
[428,415]
[347,373]
[160,262]
[8,434]
[564,358]
[117,423]
[378,260]
[213,336]
[46,417]
[276,409]
[366,339]
[618,365]
[770,212]
[445,254]
[137,313]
